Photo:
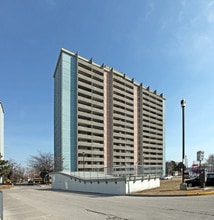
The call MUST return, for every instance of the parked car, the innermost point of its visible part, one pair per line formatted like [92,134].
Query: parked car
[196,181]
[30,181]
[210,179]
[193,182]
[166,177]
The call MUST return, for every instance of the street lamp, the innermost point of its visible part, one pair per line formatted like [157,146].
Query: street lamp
[183,186]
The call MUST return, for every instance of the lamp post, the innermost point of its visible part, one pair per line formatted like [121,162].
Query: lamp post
[183,186]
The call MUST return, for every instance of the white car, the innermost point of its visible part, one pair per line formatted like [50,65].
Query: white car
[167,177]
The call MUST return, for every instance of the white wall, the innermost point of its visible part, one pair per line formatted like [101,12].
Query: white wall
[109,186]
[140,185]
[65,182]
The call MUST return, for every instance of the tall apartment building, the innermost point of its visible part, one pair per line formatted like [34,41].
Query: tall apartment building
[103,118]
[1,129]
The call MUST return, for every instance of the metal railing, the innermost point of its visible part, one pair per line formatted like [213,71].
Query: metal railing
[137,170]
[143,171]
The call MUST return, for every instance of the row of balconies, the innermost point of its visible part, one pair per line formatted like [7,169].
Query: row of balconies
[123,103]
[85,139]
[90,112]
[122,80]
[156,120]
[123,114]
[90,123]
[152,104]
[152,101]
[152,129]
[120,135]
[152,95]
[156,146]
[89,152]
[154,136]
[151,110]
[123,160]
[152,140]
[89,89]
[123,140]
[129,101]
[153,125]
[151,115]
[122,88]
[122,147]
[89,116]
[125,109]
[123,122]
[94,119]
[90,159]
[91,66]
[123,129]
[90,101]
[150,160]
[150,150]
[85,72]
[123,94]
[91,94]
[120,116]
[147,131]
[123,152]
[89,132]
[147,111]
[83,125]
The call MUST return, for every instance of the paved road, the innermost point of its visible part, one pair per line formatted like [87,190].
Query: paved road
[37,203]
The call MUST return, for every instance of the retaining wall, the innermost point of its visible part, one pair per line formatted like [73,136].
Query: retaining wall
[113,186]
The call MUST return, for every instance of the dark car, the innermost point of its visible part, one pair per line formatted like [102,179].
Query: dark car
[210,179]
[196,181]
[193,182]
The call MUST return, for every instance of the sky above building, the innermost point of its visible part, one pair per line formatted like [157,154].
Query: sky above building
[167,45]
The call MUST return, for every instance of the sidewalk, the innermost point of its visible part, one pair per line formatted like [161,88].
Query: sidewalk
[172,188]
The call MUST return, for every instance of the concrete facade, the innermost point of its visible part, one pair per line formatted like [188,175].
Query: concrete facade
[109,185]
[103,118]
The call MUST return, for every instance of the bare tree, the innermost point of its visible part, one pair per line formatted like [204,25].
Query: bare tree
[17,172]
[42,164]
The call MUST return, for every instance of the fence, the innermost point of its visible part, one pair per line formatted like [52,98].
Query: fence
[137,170]
[144,171]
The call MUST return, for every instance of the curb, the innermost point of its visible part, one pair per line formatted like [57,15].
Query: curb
[173,195]
[200,194]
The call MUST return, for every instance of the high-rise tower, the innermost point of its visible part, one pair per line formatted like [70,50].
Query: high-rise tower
[103,118]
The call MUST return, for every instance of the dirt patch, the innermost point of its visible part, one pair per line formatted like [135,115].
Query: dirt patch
[172,187]
[5,186]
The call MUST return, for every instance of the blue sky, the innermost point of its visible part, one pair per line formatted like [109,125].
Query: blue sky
[167,45]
